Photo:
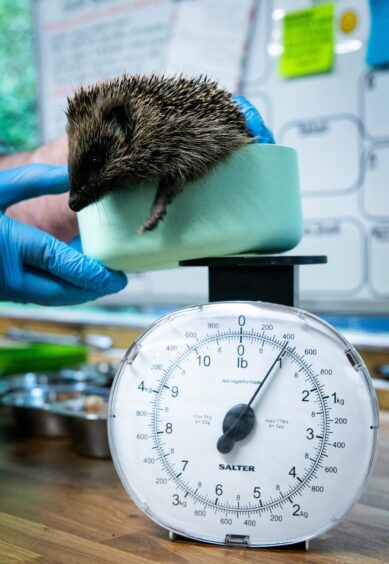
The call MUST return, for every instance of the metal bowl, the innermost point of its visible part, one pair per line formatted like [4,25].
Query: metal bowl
[31,409]
[88,374]
[4,387]
[88,431]
[107,369]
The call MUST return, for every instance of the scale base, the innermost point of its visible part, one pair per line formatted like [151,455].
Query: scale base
[241,541]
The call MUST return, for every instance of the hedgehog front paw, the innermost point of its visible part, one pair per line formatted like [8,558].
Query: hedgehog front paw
[168,189]
[157,213]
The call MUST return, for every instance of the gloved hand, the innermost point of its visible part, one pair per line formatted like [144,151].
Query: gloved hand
[254,120]
[34,266]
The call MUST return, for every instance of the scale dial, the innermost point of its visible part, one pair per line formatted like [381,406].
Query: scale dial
[243,422]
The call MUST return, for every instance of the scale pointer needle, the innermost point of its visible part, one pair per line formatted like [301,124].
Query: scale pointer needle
[239,420]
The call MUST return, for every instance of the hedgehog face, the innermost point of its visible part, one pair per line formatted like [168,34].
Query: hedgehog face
[86,173]
[98,145]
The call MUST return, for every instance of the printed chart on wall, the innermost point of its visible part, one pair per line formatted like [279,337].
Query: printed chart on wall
[322,98]
[83,41]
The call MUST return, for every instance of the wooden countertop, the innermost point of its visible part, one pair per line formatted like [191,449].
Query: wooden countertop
[56,506]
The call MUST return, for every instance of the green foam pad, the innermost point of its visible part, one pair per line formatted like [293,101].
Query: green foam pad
[248,203]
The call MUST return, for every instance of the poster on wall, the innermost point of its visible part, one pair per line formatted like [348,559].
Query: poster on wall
[84,41]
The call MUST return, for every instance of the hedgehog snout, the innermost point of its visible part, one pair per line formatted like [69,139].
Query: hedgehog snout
[77,201]
[74,204]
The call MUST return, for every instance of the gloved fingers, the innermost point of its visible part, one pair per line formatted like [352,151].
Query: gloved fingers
[30,181]
[11,268]
[254,120]
[76,244]
[42,251]
[44,289]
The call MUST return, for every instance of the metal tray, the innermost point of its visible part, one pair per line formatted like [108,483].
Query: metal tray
[88,431]
[31,409]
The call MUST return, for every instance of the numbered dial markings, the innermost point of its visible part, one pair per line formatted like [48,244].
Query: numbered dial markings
[243,419]
[180,451]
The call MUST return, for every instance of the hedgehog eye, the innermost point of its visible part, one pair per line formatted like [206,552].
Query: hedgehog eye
[95,161]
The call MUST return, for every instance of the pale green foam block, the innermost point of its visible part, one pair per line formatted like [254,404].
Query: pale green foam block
[249,203]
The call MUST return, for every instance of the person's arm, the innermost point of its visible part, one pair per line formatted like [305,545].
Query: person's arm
[49,213]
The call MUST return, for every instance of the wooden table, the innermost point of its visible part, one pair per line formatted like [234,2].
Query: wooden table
[56,506]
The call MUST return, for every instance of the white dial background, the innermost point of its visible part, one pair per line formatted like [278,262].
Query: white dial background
[308,455]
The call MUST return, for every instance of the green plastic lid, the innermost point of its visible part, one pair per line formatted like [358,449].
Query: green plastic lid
[29,357]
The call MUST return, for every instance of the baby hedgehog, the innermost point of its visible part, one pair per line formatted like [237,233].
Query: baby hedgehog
[149,127]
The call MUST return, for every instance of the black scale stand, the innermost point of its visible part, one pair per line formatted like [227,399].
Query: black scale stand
[253,277]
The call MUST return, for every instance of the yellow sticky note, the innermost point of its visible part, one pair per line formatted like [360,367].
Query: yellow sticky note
[308,41]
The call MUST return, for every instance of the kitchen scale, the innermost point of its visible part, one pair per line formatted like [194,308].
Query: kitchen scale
[243,422]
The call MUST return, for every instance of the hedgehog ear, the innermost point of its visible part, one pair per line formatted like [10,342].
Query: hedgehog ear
[117,117]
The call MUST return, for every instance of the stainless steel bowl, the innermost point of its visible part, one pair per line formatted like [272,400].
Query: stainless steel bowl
[31,409]
[4,387]
[87,374]
[88,431]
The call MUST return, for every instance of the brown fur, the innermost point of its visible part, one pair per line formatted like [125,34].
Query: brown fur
[149,127]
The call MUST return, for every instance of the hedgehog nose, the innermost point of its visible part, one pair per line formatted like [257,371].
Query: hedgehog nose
[75,204]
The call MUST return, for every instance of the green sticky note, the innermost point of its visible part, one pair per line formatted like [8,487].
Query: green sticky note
[308,41]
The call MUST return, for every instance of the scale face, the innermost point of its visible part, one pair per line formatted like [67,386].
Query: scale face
[243,423]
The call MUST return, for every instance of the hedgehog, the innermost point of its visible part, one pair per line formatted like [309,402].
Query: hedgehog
[172,130]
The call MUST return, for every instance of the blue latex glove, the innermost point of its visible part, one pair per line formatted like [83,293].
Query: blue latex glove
[34,266]
[254,120]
